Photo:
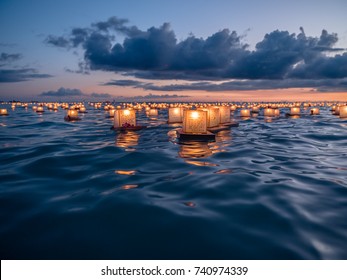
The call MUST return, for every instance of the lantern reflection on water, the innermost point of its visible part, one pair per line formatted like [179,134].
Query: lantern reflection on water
[127,140]
[194,149]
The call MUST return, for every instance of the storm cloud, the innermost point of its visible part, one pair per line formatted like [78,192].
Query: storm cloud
[155,53]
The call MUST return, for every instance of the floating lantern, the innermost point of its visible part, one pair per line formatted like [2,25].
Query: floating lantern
[255,110]
[224,113]
[269,112]
[343,111]
[314,111]
[245,113]
[175,115]
[195,121]
[213,117]
[111,113]
[72,115]
[153,112]
[232,108]
[83,110]
[294,111]
[39,109]
[3,112]
[125,119]
[276,112]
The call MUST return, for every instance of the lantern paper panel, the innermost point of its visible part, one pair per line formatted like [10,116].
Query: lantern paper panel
[195,121]
[343,111]
[175,115]
[224,112]
[124,117]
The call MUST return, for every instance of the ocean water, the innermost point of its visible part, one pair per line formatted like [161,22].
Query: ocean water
[268,189]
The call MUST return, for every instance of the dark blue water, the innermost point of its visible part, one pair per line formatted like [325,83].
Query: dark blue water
[264,190]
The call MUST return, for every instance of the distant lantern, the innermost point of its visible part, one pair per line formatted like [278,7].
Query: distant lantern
[343,111]
[175,115]
[232,108]
[3,112]
[224,113]
[124,118]
[295,111]
[34,108]
[276,112]
[245,113]
[153,112]
[195,121]
[72,115]
[255,109]
[39,109]
[314,111]
[269,112]
[83,110]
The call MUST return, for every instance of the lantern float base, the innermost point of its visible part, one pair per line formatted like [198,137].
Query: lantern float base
[130,128]
[69,119]
[208,136]
[218,128]
[292,115]
[230,124]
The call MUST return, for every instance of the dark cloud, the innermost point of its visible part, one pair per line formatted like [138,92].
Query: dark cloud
[62,92]
[20,75]
[160,96]
[156,53]
[9,57]
[101,95]
[124,83]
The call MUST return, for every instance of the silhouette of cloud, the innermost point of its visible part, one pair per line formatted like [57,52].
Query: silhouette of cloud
[63,92]
[20,75]
[101,95]
[156,53]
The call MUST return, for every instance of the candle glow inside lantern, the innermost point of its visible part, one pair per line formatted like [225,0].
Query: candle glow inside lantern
[195,121]
[276,112]
[175,115]
[295,111]
[3,112]
[124,118]
[39,109]
[153,112]
[245,113]
[72,115]
[269,112]
[315,111]
[111,113]
[224,114]
[343,111]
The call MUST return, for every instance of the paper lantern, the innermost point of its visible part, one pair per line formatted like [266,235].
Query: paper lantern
[224,113]
[232,108]
[343,111]
[39,109]
[269,112]
[83,109]
[153,112]
[245,113]
[72,115]
[195,121]
[276,112]
[213,116]
[124,118]
[295,111]
[315,111]
[3,112]
[175,115]
[255,109]
[111,113]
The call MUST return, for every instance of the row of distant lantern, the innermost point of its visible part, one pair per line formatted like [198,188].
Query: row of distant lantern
[246,110]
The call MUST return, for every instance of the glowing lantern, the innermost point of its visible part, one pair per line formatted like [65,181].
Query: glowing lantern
[175,115]
[269,112]
[276,112]
[295,111]
[111,112]
[34,108]
[232,108]
[195,121]
[245,113]
[315,111]
[255,110]
[72,115]
[83,109]
[213,117]
[124,118]
[3,112]
[343,111]
[153,112]
[39,109]
[224,113]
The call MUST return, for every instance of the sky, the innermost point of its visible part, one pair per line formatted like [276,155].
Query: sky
[208,50]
